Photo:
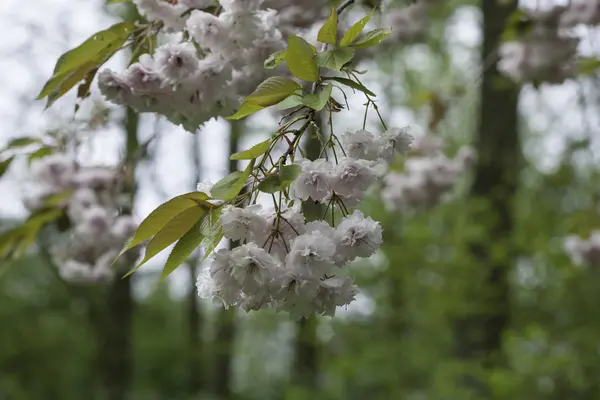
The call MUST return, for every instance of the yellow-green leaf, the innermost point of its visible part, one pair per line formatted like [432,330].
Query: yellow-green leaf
[319,100]
[253,152]
[171,232]
[273,90]
[22,142]
[5,164]
[231,186]
[247,108]
[371,38]
[335,59]
[275,59]
[92,53]
[300,59]
[291,101]
[328,32]
[39,153]
[184,247]
[351,83]
[355,30]
[163,214]
[270,184]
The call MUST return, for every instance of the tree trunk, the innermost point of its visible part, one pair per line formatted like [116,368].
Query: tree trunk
[480,334]
[306,362]
[195,345]
[114,320]
[225,325]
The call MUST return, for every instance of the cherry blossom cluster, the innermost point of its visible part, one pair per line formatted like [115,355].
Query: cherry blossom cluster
[547,51]
[582,251]
[96,233]
[427,176]
[206,75]
[290,264]
[409,24]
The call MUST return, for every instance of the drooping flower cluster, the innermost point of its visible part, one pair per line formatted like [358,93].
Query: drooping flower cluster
[546,51]
[290,264]
[89,196]
[582,251]
[205,76]
[585,12]
[427,177]
[409,24]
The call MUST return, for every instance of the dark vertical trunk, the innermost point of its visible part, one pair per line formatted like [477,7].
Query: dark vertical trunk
[114,321]
[225,322]
[496,179]
[306,362]
[195,345]
[195,348]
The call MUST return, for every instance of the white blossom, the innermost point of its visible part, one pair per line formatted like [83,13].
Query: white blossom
[123,228]
[311,255]
[351,178]
[392,141]
[314,180]
[357,236]
[243,223]
[200,4]
[81,200]
[360,144]
[334,292]
[55,170]
[581,12]
[583,251]
[114,87]
[207,29]
[95,221]
[320,226]
[294,293]
[165,12]
[252,267]
[240,5]
[177,62]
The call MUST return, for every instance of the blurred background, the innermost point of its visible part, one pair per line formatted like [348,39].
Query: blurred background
[470,297]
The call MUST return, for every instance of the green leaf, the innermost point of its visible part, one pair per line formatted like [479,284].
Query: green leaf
[291,101]
[56,199]
[245,109]
[213,233]
[231,186]
[275,59]
[5,164]
[64,83]
[276,183]
[335,59]
[163,214]
[184,247]
[300,59]
[270,184]
[253,152]
[22,142]
[39,153]
[288,173]
[355,30]
[588,65]
[83,91]
[372,38]
[350,83]
[171,232]
[75,64]
[319,100]
[109,2]
[328,32]
[273,90]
